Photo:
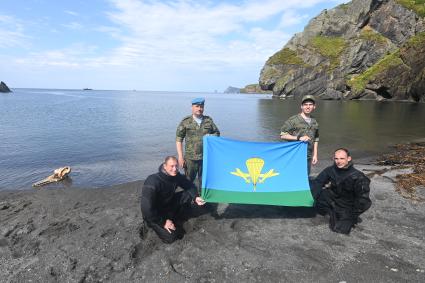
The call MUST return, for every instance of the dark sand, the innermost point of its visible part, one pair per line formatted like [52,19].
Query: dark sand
[95,235]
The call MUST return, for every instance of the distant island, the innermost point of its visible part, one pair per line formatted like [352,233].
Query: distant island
[4,87]
[232,89]
[251,88]
[87,89]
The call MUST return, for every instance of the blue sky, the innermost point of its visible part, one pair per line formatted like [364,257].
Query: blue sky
[145,45]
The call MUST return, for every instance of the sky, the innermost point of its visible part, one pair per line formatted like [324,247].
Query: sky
[169,45]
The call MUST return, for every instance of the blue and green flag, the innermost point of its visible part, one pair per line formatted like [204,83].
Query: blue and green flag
[255,172]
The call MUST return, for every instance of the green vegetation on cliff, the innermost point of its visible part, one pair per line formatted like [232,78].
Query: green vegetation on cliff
[330,47]
[344,6]
[359,82]
[416,41]
[368,34]
[253,88]
[417,6]
[270,73]
[285,56]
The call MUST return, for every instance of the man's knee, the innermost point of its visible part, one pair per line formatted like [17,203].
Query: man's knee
[342,221]
[315,190]
[343,226]
[168,239]
[321,210]
[175,235]
[322,203]
[165,236]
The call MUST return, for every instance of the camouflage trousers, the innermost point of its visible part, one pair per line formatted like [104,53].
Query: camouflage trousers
[192,169]
[309,159]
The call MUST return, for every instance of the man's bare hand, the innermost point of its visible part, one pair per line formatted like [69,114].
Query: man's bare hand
[199,201]
[169,225]
[181,162]
[304,138]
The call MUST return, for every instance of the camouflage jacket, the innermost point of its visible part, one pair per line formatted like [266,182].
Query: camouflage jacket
[296,125]
[193,133]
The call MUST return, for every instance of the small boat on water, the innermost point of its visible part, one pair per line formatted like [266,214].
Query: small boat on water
[87,89]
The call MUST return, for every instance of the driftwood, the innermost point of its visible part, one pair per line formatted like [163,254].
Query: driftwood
[58,175]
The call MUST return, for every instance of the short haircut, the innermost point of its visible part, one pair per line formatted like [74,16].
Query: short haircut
[170,157]
[343,149]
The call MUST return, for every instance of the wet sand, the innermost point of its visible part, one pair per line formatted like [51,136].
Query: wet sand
[96,235]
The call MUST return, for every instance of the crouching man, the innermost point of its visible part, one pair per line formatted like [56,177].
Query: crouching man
[160,203]
[342,192]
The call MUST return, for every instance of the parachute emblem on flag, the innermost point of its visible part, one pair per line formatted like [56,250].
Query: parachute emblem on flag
[254,175]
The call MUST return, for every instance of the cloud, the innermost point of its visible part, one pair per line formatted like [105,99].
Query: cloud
[291,18]
[73,26]
[75,56]
[114,32]
[12,32]
[72,13]
[182,34]
[187,32]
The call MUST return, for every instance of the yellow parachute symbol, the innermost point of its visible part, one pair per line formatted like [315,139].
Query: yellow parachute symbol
[254,175]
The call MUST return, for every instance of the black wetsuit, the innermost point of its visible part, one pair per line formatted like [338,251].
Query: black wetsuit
[346,197]
[160,201]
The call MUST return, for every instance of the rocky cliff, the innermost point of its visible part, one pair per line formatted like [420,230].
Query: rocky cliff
[366,49]
[251,88]
[3,87]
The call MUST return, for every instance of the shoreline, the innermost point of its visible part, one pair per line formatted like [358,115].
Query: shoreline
[92,235]
[323,163]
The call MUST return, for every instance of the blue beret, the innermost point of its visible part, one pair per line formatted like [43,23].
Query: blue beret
[198,101]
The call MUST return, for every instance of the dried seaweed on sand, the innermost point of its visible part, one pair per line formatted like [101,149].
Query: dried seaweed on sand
[407,155]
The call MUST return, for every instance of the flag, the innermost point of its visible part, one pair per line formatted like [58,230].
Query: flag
[255,172]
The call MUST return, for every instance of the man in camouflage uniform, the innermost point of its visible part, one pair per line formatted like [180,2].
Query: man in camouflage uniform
[303,127]
[192,129]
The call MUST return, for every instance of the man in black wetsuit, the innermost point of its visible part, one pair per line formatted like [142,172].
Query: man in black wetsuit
[160,203]
[342,192]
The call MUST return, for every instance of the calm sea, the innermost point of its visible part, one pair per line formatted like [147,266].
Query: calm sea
[113,137]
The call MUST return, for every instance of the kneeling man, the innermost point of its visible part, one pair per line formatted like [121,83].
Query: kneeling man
[160,202]
[342,192]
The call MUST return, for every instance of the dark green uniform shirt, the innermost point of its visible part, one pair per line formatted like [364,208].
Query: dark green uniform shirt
[297,126]
[193,133]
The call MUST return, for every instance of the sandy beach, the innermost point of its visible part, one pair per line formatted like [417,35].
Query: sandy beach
[96,235]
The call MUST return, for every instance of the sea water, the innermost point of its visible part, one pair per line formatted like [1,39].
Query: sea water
[111,137]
